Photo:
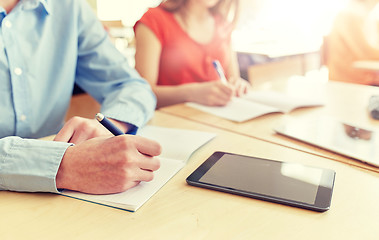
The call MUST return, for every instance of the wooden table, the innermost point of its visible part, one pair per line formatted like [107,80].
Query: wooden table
[343,101]
[180,211]
[82,105]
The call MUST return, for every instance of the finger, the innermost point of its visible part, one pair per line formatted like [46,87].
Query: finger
[247,88]
[129,185]
[77,137]
[239,86]
[220,95]
[226,95]
[221,100]
[65,134]
[226,88]
[147,146]
[232,80]
[149,163]
[240,89]
[145,175]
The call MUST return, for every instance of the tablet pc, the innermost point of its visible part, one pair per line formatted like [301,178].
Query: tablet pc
[351,140]
[275,181]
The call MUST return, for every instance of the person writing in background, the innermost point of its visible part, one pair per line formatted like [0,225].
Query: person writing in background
[45,51]
[354,37]
[176,44]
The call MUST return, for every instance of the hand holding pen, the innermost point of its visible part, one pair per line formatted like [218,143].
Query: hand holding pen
[214,93]
[240,86]
[103,165]
[210,93]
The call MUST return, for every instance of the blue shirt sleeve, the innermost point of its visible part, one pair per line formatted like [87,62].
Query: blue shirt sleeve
[30,165]
[105,74]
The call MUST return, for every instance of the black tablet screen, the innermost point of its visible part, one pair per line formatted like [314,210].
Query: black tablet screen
[271,178]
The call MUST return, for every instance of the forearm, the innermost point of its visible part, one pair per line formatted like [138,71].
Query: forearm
[133,104]
[29,165]
[170,95]
[105,74]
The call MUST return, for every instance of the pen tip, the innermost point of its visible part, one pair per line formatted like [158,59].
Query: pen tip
[99,116]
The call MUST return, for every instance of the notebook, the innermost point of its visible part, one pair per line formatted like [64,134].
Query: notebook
[177,147]
[357,142]
[258,103]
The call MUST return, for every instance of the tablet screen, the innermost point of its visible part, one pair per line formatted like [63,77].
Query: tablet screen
[284,182]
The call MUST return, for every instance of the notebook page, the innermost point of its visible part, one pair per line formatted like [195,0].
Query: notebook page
[176,143]
[238,110]
[284,102]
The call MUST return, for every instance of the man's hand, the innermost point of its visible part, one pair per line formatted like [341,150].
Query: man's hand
[108,165]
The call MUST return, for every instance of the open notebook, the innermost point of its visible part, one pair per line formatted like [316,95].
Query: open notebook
[258,103]
[177,147]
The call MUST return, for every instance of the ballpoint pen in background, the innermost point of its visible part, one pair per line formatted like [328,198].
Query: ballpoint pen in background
[220,71]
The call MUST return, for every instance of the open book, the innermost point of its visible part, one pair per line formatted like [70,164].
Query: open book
[258,103]
[177,147]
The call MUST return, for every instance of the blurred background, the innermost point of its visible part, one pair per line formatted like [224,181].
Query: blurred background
[274,39]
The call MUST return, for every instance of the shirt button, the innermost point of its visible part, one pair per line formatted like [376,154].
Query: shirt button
[22,117]
[8,24]
[17,71]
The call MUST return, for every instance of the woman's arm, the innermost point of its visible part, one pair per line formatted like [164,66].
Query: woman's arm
[147,57]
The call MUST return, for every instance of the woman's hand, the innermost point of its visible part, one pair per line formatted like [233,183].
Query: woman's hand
[213,93]
[240,85]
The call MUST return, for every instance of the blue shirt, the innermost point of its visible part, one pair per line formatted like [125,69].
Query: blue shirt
[45,47]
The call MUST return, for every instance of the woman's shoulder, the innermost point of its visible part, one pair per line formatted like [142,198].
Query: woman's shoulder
[160,21]
[157,14]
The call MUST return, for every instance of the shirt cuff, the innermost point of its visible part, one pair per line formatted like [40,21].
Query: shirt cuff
[29,165]
[132,129]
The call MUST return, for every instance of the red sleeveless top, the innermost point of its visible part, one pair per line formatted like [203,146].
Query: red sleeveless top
[183,60]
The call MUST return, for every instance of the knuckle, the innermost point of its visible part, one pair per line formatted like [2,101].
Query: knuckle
[75,119]
[128,160]
[125,142]
[156,164]
[128,175]
[210,99]
[149,177]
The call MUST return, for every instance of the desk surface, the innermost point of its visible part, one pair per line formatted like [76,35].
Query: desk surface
[343,101]
[180,211]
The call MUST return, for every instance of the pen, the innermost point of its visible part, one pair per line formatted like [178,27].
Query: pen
[220,72]
[108,124]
